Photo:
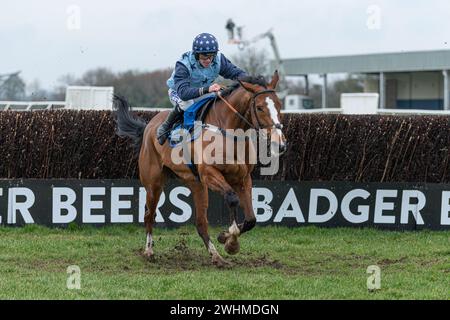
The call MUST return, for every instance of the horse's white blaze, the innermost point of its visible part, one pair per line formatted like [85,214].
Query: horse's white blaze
[149,241]
[234,229]
[273,113]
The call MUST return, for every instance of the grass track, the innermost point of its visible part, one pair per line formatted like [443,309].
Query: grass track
[274,263]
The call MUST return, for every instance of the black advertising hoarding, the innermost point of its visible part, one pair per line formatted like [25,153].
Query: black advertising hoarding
[396,206]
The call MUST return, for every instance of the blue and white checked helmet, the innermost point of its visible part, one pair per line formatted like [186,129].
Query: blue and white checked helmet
[205,43]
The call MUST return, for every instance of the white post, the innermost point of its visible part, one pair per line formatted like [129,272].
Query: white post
[446,94]
[306,85]
[324,91]
[382,91]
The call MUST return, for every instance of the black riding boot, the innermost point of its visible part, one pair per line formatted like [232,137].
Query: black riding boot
[164,129]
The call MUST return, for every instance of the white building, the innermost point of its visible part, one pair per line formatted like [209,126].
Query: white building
[405,80]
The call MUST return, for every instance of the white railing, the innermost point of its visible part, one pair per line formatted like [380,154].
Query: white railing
[339,111]
[150,109]
[31,105]
[379,111]
[320,110]
[51,105]
[414,111]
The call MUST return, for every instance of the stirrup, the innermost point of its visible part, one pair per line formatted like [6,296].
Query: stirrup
[167,125]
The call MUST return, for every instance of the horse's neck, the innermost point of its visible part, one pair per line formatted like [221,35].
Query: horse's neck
[222,116]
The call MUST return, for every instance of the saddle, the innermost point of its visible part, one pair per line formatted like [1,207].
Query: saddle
[184,126]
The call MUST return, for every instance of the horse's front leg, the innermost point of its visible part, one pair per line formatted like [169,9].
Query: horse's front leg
[214,180]
[244,192]
[200,195]
[230,238]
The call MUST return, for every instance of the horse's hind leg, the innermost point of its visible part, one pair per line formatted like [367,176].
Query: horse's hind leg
[153,193]
[200,195]
[152,178]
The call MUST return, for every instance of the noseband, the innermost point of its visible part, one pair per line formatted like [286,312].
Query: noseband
[255,113]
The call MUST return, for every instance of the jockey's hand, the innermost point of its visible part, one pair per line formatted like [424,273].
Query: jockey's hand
[214,88]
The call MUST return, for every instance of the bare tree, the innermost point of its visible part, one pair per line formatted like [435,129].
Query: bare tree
[142,89]
[253,61]
[59,92]
[98,77]
[35,92]
[353,83]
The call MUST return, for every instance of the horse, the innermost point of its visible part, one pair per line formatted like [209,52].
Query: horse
[251,104]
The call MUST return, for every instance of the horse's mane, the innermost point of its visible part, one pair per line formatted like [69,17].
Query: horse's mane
[259,80]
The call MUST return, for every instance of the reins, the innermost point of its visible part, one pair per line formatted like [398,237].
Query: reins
[252,110]
[234,110]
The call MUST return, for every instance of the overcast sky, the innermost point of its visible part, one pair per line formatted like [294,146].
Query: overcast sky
[44,40]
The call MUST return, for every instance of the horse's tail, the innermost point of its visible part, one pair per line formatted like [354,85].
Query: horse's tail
[127,124]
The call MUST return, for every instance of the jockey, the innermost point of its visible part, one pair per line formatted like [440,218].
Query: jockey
[194,76]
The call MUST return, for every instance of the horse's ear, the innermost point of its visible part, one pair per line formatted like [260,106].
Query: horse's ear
[274,82]
[248,86]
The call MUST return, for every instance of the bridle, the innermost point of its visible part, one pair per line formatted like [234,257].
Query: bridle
[253,111]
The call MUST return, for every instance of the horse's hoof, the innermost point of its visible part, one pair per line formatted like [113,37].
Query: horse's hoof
[219,262]
[148,253]
[232,245]
[223,236]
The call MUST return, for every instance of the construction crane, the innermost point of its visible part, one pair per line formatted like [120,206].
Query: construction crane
[242,44]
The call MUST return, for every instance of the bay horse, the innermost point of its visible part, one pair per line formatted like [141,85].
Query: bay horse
[252,103]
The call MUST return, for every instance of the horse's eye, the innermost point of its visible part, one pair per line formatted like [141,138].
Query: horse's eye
[260,109]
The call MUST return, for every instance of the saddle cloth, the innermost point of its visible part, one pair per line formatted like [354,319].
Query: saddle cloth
[184,126]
